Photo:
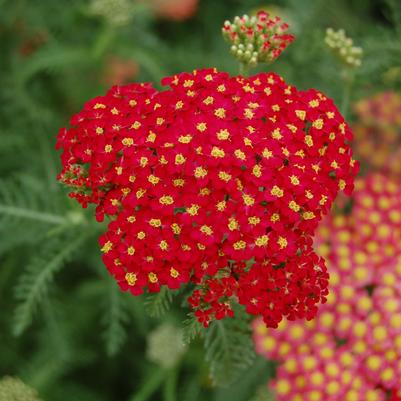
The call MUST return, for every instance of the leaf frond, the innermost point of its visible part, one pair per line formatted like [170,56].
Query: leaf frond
[34,283]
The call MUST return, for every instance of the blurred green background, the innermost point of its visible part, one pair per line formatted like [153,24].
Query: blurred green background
[65,328]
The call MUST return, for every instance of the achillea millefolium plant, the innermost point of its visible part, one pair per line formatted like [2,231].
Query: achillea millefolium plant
[68,330]
[217,181]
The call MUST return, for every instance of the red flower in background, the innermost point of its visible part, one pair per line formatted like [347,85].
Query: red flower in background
[175,10]
[119,71]
[395,396]
[218,180]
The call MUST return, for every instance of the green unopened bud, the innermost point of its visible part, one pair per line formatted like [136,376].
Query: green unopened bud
[166,345]
[13,389]
[343,48]
[75,218]
[115,12]
[258,38]
[253,62]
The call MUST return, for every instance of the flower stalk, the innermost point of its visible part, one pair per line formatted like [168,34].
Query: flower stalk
[350,58]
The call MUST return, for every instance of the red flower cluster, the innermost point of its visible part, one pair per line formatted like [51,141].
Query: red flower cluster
[395,395]
[218,180]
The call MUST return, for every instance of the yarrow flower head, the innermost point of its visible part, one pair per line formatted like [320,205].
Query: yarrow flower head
[175,10]
[119,71]
[219,181]
[257,39]
[13,389]
[166,345]
[378,132]
[343,47]
[353,350]
[115,12]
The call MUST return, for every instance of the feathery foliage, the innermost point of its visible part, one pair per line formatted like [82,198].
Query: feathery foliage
[229,348]
[35,282]
[159,303]
[191,328]
[22,198]
[115,318]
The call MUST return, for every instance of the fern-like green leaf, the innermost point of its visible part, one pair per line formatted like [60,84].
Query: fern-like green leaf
[34,283]
[159,303]
[191,329]
[115,319]
[29,212]
[19,200]
[50,58]
[229,347]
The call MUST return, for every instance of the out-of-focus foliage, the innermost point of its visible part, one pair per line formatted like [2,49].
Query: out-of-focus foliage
[65,328]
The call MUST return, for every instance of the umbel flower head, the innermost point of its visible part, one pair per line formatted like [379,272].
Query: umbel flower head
[13,389]
[217,181]
[257,39]
[343,47]
[378,132]
[353,351]
[166,345]
[115,12]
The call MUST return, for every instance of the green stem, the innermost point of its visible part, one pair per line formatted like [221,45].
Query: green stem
[32,214]
[151,385]
[170,385]
[148,62]
[244,69]
[103,41]
[348,81]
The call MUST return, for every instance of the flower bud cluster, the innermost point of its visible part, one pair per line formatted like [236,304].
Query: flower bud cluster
[256,39]
[343,47]
[166,345]
[13,389]
[115,12]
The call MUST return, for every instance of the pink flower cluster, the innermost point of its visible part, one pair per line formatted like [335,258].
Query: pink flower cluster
[352,350]
[378,132]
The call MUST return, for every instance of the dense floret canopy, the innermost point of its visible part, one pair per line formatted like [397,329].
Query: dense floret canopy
[217,181]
